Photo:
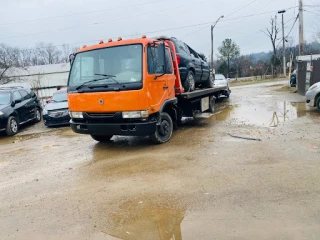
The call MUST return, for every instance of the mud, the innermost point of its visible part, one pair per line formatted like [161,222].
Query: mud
[203,184]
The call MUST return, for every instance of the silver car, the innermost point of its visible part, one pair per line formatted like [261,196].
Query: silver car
[313,96]
[221,81]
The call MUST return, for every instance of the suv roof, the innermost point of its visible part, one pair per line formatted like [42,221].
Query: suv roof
[10,88]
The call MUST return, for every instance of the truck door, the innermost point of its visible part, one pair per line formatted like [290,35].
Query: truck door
[162,87]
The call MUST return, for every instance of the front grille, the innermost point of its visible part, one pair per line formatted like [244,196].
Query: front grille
[101,115]
[58,113]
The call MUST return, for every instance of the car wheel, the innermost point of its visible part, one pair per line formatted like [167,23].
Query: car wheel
[189,84]
[164,130]
[210,81]
[37,117]
[12,126]
[318,103]
[102,138]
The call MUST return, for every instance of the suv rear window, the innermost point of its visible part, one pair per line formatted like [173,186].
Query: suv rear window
[181,47]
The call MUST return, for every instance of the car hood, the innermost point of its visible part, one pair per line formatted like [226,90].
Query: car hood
[2,107]
[221,82]
[56,105]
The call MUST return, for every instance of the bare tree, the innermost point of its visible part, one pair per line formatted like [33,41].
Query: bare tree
[9,57]
[47,53]
[272,33]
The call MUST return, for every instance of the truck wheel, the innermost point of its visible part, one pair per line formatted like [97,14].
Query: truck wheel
[189,84]
[12,126]
[212,102]
[100,138]
[318,103]
[164,130]
[210,81]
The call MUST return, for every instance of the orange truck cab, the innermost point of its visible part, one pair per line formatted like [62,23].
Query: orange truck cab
[131,88]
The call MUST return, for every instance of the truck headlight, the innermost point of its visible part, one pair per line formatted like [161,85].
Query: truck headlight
[76,115]
[135,114]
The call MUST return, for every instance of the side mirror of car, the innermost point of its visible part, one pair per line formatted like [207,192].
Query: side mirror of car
[13,103]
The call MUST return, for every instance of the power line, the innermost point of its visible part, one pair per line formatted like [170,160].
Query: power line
[241,8]
[77,14]
[96,23]
[290,29]
[163,30]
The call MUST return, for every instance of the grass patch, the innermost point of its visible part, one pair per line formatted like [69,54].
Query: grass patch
[287,89]
[250,82]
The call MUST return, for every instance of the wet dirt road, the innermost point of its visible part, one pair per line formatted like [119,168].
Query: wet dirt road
[203,184]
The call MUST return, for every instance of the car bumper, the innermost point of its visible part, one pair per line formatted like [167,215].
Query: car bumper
[3,123]
[51,121]
[310,96]
[122,129]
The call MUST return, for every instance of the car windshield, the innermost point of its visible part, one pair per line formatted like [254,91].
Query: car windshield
[123,63]
[219,77]
[5,98]
[60,97]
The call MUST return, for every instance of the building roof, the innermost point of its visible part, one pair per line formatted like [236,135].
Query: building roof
[307,58]
[36,70]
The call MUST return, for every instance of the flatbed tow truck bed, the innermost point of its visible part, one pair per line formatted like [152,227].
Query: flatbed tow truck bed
[199,93]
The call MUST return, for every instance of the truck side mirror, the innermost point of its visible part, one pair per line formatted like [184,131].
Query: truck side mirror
[71,58]
[161,55]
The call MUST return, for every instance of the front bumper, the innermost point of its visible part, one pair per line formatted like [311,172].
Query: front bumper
[51,121]
[122,129]
[310,97]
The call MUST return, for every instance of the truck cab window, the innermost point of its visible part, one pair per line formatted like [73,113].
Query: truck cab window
[153,66]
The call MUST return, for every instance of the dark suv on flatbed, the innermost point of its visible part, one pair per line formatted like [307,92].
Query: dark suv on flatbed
[194,71]
[18,105]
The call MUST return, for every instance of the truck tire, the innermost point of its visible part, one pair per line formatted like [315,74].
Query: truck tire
[100,138]
[210,81]
[189,84]
[12,126]
[164,130]
[212,103]
[318,103]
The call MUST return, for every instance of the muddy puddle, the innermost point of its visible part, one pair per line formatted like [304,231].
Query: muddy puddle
[144,219]
[263,115]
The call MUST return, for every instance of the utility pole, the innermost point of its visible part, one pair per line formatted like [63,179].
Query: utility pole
[284,45]
[301,38]
[212,27]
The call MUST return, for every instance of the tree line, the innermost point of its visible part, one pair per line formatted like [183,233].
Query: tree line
[41,54]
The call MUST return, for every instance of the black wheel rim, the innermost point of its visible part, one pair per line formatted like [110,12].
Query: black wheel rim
[164,128]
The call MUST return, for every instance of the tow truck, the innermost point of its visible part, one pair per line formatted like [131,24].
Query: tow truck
[132,88]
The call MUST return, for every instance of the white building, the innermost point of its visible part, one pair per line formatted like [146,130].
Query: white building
[44,79]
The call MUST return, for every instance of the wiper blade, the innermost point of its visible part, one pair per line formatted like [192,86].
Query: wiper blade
[91,81]
[108,76]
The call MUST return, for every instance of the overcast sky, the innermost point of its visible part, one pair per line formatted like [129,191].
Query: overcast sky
[108,18]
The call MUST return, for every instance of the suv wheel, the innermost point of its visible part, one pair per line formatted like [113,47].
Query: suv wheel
[37,117]
[12,126]
[189,84]
[164,130]
[100,138]
[210,81]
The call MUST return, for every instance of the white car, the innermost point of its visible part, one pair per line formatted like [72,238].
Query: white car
[313,96]
[221,81]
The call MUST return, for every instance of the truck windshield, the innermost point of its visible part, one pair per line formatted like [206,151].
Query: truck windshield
[124,63]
